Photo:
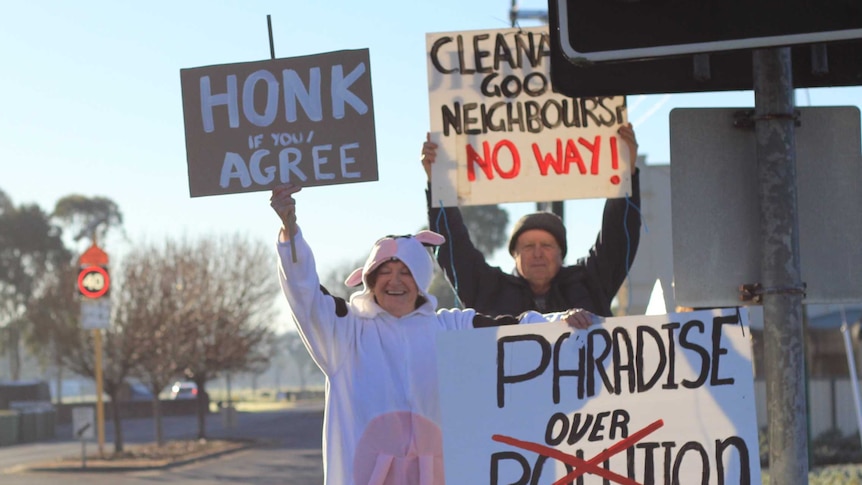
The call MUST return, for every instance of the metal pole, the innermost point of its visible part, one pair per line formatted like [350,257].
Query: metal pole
[851,363]
[514,14]
[782,286]
[271,43]
[290,229]
[100,407]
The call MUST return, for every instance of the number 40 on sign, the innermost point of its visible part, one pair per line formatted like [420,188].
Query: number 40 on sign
[93,281]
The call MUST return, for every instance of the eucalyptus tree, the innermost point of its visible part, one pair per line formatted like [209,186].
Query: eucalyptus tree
[31,247]
[53,319]
[487,228]
[88,217]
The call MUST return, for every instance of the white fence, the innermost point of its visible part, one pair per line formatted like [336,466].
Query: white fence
[830,405]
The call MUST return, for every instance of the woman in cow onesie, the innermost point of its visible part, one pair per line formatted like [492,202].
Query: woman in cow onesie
[382,418]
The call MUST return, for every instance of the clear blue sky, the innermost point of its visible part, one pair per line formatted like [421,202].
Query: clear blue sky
[91,104]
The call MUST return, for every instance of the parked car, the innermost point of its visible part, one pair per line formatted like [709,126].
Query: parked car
[184,390]
[134,390]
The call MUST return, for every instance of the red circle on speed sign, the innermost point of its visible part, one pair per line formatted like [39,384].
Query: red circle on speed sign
[93,281]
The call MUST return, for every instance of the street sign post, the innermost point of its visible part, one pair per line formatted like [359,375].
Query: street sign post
[725,71]
[714,171]
[609,30]
[83,422]
[93,284]
[642,32]
[819,65]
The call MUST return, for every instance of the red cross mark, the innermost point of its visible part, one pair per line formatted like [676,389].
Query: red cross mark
[585,466]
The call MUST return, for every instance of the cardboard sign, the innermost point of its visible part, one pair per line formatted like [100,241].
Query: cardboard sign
[305,120]
[635,400]
[504,135]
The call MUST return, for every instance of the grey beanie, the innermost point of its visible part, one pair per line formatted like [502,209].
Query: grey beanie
[546,221]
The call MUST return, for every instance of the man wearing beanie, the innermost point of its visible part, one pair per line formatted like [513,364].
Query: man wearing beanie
[538,246]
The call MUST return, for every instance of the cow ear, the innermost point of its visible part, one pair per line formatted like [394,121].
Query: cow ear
[355,278]
[430,238]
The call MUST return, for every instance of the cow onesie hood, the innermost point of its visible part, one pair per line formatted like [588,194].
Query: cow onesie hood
[410,250]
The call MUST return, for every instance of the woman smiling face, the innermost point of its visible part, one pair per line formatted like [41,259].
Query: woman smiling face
[394,288]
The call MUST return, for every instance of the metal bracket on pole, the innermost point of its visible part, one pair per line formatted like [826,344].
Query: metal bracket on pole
[745,120]
[702,71]
[80,435]
[754,292]
[819,60]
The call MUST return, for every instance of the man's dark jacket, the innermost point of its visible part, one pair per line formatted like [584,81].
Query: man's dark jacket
[591,283]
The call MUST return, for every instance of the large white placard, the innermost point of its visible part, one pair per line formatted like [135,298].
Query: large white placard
[505,136]
[634,400]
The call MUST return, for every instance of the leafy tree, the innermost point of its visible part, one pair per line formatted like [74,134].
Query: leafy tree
[5,203]
[54,321]
[56,313]
[487,226]
[30,248]
[89,217]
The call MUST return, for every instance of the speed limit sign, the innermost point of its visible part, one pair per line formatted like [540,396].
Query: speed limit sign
[93,281]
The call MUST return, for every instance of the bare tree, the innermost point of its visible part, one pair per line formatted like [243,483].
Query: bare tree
[231,283]
[120,352]
[150,306]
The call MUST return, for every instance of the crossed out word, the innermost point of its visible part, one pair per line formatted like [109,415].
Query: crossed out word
[582,466]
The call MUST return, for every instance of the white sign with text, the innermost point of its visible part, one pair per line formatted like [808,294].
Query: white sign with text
[503,135]
[634,400]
